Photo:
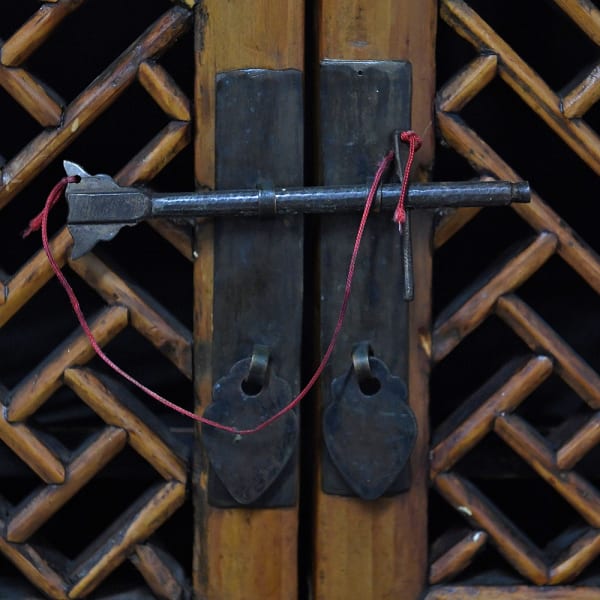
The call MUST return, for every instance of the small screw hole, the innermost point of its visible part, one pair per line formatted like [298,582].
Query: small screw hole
[370,386]
[359,73]
[251,388]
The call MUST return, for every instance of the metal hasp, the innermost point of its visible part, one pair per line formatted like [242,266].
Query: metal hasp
[247,466]
[368,428]
[362,104]
[258,292]
[99,207]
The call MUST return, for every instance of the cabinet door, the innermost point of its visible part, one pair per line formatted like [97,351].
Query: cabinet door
[515,387]
[104,494]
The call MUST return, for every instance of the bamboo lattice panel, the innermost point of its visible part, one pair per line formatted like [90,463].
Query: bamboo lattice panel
[95,119]
[539,521]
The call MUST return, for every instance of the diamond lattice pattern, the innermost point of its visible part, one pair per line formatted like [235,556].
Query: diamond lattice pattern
[492,411]
[62,474]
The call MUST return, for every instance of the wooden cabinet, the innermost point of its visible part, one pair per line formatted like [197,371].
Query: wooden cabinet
[104,493]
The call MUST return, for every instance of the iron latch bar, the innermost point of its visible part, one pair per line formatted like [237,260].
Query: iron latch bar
[99,207]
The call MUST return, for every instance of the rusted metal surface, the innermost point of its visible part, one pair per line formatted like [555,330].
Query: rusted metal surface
[258,282]
[369,431]
[99,208]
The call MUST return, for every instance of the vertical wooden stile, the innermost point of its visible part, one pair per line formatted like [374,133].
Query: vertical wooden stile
[378,549]
[239,553]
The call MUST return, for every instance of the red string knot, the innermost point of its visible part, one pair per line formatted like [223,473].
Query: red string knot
[414,141]
[36,223]
[408,136]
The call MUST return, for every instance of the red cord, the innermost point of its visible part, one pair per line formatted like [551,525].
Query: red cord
[41,221]
[338,326]
[414,142]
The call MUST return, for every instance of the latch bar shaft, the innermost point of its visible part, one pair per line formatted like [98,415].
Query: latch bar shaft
[131,205]
[337,199]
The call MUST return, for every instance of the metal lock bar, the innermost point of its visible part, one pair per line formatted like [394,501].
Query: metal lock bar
[99,207]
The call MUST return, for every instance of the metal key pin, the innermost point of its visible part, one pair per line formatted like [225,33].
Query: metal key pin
[407,259]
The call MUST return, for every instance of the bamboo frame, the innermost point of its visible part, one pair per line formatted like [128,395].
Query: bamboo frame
[491,409]
[374,558]
[231,544]
[65,475]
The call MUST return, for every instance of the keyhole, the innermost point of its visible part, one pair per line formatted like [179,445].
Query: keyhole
[251,388]
[369,386]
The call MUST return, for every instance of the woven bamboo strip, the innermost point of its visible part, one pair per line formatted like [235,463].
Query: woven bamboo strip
[35,568]
[585,13]
[33,276]
[33,391]
[31,95]
[39,508]
[541,338]
[145,314]
[30,36]
[453,97]
[527,443]
[179,237]
[474,310]
[451,223]
[31,450]
[581,553]
[581,98]
[166,93]
[537,213]
[455,445]
[523,80]
[146,442]
[156,154]
[140,522]
[467,83]
[584,440]
[94,100]
[453,220]
[162,578]
[457,558]
[525,557]
[147,164]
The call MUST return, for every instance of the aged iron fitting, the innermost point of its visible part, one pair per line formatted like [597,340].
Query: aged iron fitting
[258,293]
[99,207]
[407,258]
[248,466]
[368,428]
